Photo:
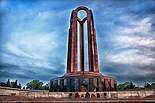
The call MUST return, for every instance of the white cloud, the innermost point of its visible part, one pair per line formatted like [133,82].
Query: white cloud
[36,45]
[15,50]
[44,15]
[130,57]
[35,40]
[32,50]
[52,15]
[138,26]
[130,50]
[133,41]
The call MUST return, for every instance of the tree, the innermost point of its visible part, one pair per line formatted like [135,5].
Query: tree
[147,85]
[126,85]
[8,83]
[3,84]
[46,87]
[34,85]
[14,84]
[24,87]
[131,85]
[11,84]
[19,86]
[153,85]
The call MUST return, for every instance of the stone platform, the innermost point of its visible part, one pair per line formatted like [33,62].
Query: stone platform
[82,82]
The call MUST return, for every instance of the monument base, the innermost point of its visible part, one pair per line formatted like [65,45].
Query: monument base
[82,82]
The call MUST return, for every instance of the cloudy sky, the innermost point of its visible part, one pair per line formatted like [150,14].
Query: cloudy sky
[33,38]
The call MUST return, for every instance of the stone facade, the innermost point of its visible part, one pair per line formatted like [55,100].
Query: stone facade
[75,83]
[82,80]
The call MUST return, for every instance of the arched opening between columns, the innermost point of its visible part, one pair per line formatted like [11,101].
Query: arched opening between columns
[82,31]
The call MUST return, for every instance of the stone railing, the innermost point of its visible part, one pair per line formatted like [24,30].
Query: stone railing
[108,94]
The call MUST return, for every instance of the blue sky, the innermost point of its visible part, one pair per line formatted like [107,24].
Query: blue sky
[33,38]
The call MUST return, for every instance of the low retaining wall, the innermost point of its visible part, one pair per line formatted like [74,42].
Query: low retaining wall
[107,94]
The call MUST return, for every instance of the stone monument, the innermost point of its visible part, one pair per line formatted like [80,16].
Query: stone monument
[82,81]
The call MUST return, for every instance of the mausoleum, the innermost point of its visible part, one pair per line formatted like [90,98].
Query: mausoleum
[80,80]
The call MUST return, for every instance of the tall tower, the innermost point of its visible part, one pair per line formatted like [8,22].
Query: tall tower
[82,81]
[72,59]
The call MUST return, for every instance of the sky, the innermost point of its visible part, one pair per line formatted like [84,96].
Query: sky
[34,35]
